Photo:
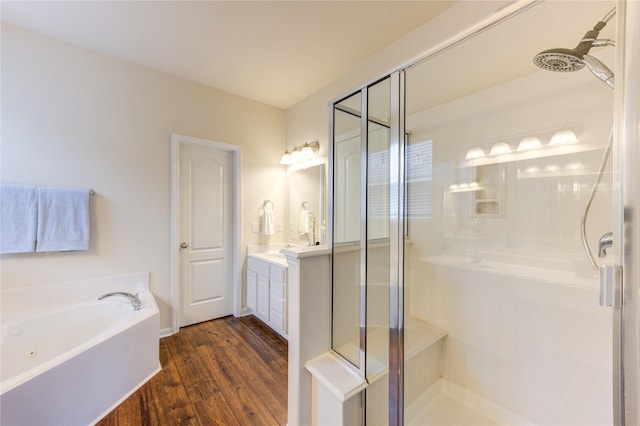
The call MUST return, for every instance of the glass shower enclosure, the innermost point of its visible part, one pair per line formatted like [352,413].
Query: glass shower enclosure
[461,288]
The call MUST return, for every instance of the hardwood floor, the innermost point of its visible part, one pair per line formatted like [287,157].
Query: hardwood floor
[229,371]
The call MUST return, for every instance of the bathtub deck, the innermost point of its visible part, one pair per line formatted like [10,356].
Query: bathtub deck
[231,371]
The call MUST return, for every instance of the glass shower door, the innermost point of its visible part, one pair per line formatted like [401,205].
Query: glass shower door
[361,246]
[348,247]
[502,322]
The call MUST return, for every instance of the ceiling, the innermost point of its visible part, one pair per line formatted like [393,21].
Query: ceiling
[275,52]
[501,54]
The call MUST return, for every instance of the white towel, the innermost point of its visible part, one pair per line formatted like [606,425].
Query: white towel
[18,218]
[63,219]
[304,225]
[267,223]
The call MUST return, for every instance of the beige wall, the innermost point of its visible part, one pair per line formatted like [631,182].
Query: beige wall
[71,117]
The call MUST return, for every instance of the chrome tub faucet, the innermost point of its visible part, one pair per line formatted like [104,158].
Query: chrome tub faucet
[135,301]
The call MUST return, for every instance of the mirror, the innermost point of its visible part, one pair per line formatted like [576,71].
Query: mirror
[307,205]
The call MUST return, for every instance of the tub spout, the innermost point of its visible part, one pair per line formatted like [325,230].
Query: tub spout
[135,302]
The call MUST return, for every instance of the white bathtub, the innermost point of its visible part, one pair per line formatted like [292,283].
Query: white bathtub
[69,359]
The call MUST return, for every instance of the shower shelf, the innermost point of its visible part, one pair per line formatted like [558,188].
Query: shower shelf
[418,336]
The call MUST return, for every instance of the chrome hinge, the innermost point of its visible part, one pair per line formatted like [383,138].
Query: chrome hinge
[611,285]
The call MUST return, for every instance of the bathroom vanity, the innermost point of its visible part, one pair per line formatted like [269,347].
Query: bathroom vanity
[267,287]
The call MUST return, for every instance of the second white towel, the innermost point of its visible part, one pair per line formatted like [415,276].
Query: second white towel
[267,223]
[63,219]
[303,226]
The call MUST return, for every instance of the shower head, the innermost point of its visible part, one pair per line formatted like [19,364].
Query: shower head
[559,59]
[566,60]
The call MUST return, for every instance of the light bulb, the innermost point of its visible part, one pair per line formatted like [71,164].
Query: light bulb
[500,148]
[563,137]
[306,153]
[286,158]
[474,153]
[529,143]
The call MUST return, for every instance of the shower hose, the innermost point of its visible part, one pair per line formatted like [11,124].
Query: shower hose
[587,206]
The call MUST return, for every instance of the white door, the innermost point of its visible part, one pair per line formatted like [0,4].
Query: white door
[206,288]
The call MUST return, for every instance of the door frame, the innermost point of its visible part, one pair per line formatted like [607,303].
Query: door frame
[177,141]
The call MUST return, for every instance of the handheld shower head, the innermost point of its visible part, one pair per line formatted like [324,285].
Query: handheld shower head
[599,69]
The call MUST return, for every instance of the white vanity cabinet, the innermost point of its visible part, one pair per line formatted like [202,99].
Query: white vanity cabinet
[278,299]
[252,287]
[267,292]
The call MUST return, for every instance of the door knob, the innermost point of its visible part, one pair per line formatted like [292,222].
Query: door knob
[184,245]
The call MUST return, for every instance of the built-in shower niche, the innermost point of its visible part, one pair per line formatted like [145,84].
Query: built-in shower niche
[489,198]
[477,192]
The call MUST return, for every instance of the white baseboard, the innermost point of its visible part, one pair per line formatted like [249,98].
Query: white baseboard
[166,332]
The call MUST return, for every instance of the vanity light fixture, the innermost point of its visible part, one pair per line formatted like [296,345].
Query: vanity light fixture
[305,152]
[562,142]
[529,143]
[563,137]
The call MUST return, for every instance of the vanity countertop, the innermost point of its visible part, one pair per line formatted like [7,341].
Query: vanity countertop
[271,257]
[268,253]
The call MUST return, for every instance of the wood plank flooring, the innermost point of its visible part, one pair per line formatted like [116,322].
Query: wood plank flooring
[229,371]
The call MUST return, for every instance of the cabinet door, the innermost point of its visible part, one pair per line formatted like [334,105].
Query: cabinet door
[252,282]
[277,322]
[278,300]
[263,297]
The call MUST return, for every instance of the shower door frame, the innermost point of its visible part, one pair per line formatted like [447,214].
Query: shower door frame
[627,126]
[627,131]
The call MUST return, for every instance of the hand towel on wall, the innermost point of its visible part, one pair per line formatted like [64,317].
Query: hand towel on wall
[63,219]
[304,226]
[18,218]
[267,223]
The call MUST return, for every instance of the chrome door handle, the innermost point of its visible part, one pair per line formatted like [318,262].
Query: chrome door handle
[184,245]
